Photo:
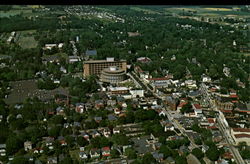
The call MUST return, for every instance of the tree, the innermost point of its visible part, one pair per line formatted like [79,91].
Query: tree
[120,139]
[198,153]
[187,108]
[81,141]
[114,153]
[54,131]
[166,151]
[180,160]
[13,144]
[130,153]
[245,154]
[66,160]
[148,159]
[20,160]
[99,142]
[213,153]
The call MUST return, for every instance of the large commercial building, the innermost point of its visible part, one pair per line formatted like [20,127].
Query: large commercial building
[113,74]
[95,67]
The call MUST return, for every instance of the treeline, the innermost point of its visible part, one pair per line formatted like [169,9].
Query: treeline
[19,23]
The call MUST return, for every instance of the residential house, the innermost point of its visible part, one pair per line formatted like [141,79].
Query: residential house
[176,137]
[60,110]
[50,59]
[112,117]
[27,145]
[206,79]
[99,104]
[143,60]
[167,125]
[49,46]
[142,74]
[76,124]
[73,59]
[106,151]
[116,130]
[91,53]
[49,142]
[95,153]
[95,133]
[88,106]
[52,160]
[170,160]
[172,102]
[197,110]
[79,107]
[62,141]
[191,84]
[111,102]
[84,135]
[38,150]
[181,104]
[98,119]
[183,150]
[204,148]
[117,111]
[158,156]
[105,131]
[83,155]
[2,149]
[62,69]
[62,99]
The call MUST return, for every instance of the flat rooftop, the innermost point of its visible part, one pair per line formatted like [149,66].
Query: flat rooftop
[102,61]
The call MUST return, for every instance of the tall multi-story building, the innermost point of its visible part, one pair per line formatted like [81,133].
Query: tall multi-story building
[112,75]
[95,67]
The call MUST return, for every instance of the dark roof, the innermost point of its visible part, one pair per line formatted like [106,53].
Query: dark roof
[91,53]
[111,117]
[242,106]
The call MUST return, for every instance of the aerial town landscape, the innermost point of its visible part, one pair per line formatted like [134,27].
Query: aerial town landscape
[124,84]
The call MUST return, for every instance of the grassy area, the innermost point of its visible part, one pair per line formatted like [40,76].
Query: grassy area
[146,11]
[14,12]
[207,11]
[74,154]
[26,40]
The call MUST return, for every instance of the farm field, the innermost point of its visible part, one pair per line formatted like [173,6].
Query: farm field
[207,11]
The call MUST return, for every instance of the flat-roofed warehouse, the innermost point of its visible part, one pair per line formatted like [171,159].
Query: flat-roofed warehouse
[95,67]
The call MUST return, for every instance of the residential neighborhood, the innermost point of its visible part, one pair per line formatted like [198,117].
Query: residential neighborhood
[102,88]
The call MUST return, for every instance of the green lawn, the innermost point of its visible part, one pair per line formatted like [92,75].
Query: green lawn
[14,12]
[27,42]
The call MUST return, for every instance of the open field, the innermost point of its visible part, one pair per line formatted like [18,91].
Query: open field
[26,40]
[218,9]
[207,11]
[147,11]
[14,12]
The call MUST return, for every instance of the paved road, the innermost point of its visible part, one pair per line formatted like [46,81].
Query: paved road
[167,113]
[223,127]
